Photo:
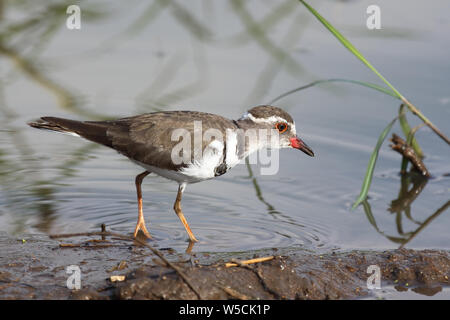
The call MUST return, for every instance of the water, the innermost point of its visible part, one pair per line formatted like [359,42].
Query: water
[210,57]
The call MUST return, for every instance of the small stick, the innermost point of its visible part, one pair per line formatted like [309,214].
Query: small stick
[80,234]
[85,245]
[235,294]
[103,226]
[96,240]
[400,145]
[244,262]
[69,245]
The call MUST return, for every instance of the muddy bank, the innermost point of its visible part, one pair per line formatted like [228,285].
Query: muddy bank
[293,276]
[36,268]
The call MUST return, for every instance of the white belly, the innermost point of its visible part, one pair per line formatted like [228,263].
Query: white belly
[177,176]
[196,171]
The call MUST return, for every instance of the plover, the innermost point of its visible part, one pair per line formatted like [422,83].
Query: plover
[185,146]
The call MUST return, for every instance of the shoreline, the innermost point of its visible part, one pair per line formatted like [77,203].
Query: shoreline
[37,269]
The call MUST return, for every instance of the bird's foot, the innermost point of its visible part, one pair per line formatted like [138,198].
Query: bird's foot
[140,226]
[192,238]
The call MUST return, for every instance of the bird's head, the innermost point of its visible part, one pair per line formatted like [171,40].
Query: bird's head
[273,118]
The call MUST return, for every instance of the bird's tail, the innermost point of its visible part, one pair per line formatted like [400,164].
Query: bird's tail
[94,131]
[56,124]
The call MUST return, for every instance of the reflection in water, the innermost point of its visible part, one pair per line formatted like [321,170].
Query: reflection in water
[21,42]
[407,196]
[411,185]
[270,208]
[155,99]
[257,33]
[22,185]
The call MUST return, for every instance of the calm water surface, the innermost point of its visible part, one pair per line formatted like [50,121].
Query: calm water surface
[224,57]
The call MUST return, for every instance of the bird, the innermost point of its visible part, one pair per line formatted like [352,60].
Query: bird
[185,146]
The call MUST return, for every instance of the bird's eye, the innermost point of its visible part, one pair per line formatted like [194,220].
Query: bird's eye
[281,127]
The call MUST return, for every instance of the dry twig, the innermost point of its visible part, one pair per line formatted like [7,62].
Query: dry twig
[235,294]
[400,145]
[245,262]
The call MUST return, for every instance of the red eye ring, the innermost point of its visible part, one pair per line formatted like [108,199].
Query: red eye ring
[281,127]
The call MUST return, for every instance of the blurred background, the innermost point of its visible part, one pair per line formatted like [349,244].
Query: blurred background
[224,57]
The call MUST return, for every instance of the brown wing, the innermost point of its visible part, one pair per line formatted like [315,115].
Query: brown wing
[145,138]
[148,138]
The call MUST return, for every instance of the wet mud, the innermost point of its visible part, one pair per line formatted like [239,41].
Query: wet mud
[37,268]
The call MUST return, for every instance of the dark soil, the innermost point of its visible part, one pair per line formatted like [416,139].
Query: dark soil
[36,269]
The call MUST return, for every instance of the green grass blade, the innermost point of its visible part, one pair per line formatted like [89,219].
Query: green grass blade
[314,83]
[369,214]
[407,130]
[349,45]
[371,166]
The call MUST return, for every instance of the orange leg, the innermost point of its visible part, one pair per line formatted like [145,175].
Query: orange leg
[177,208]
[140,223]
